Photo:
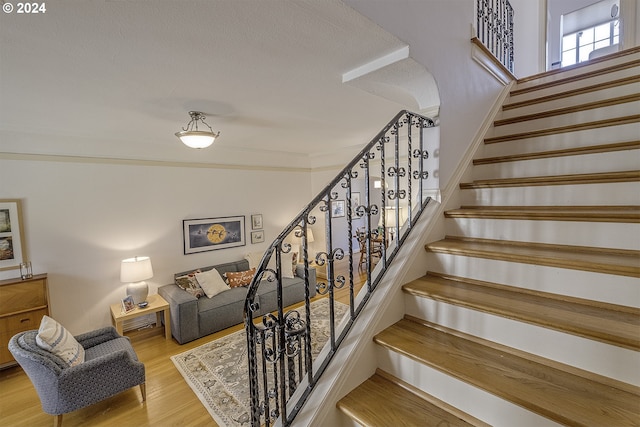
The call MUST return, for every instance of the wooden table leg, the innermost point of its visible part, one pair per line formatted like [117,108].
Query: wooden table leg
[118,326]
[167,323]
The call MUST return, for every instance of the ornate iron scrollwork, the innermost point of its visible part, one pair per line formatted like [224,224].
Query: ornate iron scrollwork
[393,194]
[279,346]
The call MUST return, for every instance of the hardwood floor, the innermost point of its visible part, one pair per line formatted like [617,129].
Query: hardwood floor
[170,401]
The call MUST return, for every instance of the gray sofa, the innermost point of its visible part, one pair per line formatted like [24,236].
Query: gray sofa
[193,318]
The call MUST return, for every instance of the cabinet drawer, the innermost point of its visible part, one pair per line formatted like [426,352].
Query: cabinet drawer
[11,325]
[22,296]
[22,322]
[5,355]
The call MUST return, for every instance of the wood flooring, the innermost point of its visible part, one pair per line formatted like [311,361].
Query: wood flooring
[170,401]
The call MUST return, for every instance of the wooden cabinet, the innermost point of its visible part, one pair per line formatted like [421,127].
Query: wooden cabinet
[22,305]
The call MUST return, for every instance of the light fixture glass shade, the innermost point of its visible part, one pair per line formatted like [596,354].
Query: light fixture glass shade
[135,271]
[196,138]
[192,136]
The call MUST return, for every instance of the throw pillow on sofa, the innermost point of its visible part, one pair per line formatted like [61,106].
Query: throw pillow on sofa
[189,283]
[53,337]
[211,282]
[240,278]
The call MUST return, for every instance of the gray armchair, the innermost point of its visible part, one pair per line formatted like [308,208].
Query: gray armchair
[110,367]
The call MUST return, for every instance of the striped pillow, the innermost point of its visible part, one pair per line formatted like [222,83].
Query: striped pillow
[53,337]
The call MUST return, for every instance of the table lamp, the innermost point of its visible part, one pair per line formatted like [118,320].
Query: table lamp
[390,221]
[135,271]
[310,239]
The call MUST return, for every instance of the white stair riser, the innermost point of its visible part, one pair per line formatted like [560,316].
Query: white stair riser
[575,233]
[626,160]
[562,120]
[590,81]
[581,70]
[604,359]
[563,141]
[466,397]
[600,95]
[608,288]
[614,194]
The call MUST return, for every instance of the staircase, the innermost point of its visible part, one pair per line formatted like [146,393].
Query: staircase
[528,313]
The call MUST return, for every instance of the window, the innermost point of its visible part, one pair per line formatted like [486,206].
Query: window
[577,46]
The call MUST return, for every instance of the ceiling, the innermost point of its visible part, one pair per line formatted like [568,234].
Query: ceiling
[116,78]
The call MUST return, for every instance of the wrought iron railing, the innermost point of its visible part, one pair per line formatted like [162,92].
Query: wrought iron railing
[356,213]
[494,28]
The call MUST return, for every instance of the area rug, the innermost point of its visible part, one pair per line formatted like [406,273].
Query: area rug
[217,371]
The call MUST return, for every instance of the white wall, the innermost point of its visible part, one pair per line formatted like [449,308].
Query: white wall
[529,36]
[82,219]
[438,33]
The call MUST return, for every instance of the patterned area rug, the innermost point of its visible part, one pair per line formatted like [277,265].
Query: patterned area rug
[217,371]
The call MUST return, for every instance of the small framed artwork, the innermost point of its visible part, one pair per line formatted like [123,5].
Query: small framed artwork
[337,208]
[12,245]
[256,221]
[257,236]
[128,304]
[209,234]
[355,201]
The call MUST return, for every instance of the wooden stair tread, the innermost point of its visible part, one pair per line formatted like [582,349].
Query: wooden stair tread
[381,402]
[544,388]
[573,92]
[600,148]
[600,260]
[567,110]
[617,121]
[554,213]
[585,178]
[608,323]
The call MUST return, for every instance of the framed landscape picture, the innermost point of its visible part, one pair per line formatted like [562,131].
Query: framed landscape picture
[12,244]
[256,221]
[257,236]
[209,234]
[355,201]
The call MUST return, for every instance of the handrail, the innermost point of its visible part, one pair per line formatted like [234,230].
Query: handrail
[279,344]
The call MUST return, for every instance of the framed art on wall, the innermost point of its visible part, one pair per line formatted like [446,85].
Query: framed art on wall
[256,221]
[257,236]
[209,234]
[355,201]
[337,208]
[12,245]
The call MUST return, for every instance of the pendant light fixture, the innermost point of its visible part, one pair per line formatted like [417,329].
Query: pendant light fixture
[193,137]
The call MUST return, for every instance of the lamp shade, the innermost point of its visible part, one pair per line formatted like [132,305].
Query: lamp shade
[136,269]
[310,236]
[390,217]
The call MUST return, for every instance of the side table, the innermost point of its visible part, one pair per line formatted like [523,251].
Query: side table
[156,305]
[321,270]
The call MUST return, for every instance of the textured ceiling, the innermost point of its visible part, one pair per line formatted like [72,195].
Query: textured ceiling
[116,79]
